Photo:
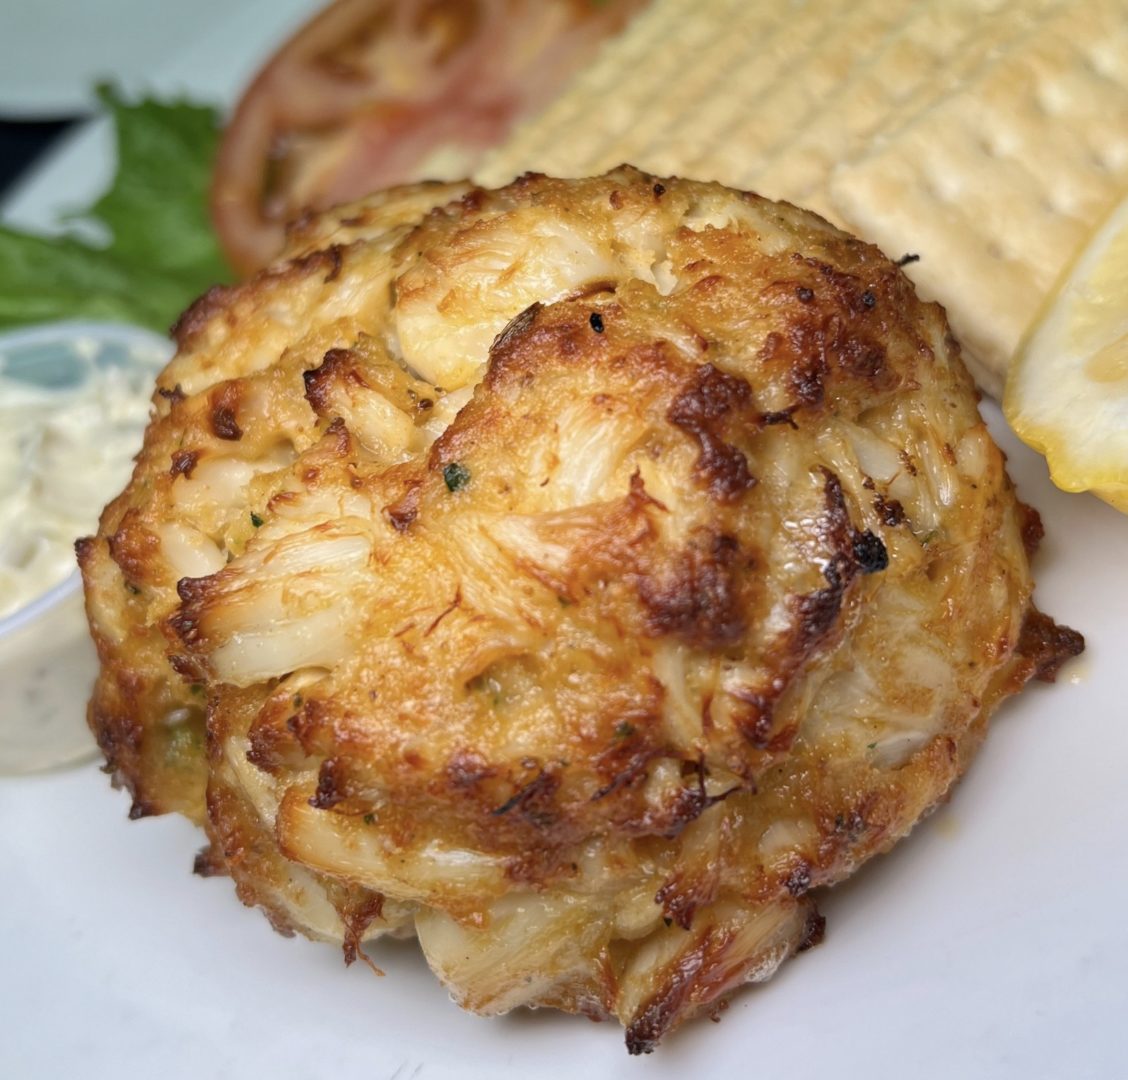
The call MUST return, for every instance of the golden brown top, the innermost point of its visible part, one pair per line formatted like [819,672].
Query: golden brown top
[630,544]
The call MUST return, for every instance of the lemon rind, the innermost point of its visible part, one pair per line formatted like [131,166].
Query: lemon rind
[1036,412]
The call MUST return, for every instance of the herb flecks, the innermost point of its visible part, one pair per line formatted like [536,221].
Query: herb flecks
[256,521]
[456,476]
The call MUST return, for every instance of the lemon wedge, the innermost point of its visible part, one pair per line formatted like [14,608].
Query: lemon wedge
[1067,388]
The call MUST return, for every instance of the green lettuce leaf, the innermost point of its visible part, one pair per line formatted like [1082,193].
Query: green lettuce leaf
[161,253]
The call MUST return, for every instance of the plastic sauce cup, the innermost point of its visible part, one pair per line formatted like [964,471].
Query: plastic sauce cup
[47,660]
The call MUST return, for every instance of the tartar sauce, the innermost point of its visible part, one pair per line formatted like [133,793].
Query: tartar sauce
[65,450]
[74,402]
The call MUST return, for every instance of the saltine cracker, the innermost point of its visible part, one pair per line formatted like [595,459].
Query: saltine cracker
[985,136]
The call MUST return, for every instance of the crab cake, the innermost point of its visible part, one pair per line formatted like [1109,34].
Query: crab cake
[574,575]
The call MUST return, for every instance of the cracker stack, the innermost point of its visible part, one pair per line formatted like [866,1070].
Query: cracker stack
[988,137]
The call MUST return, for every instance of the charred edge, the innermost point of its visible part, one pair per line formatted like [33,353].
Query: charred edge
[836,505]
[533,801]
[891,512]
[518,326]
[224,405]
[472,201]
[356,922]
[814,930]
[781,416]
[756,724]
[185,620]
[199,313]
[860,357]
[629,766]
[867,550]
[184,462]
[132,547]
[798,879]
[173,396]
[334,252]
[352,951]
[305,724]
[209,863]
[467,769]
[855,295]
[700,603]
[870,552]
[699,411]
[639,497]
[818,612]
[119,738]
[405,510]
[677,906]
[836,334]
[662,1011]
[84,548]
[1047,645]
[689,803]
[338,432]
[803,352]
[332,785]
[142,808]
[1033,531]
[192,590]
[319,381]
[850,826]
[327,259]
[264,742]
[187,667]
[184,666]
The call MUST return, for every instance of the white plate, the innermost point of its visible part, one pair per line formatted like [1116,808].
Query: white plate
[993,943]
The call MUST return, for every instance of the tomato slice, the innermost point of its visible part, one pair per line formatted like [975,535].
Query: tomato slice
[378,92]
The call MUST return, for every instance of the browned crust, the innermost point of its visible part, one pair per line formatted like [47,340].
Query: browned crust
[700,602]
[539,660]
[703,410]
[1045,645]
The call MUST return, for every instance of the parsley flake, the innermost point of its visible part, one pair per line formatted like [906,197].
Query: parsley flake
[456,476]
